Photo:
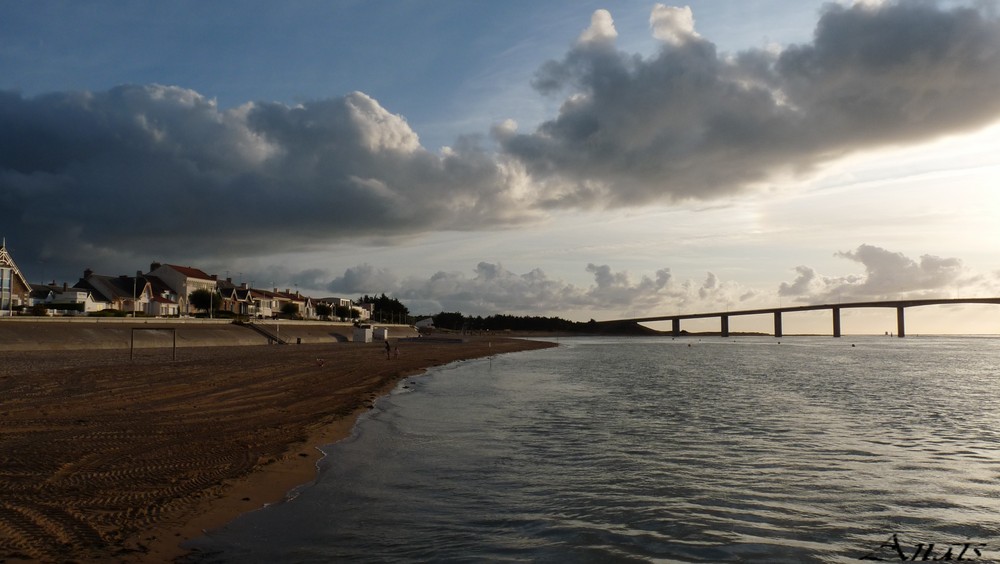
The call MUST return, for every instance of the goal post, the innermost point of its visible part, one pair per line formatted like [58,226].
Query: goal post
[173,333]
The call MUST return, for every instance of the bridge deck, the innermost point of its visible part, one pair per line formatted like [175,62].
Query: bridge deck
[889,304]
[724,316]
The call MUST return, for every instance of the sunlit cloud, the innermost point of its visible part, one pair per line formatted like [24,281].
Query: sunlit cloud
[887,275]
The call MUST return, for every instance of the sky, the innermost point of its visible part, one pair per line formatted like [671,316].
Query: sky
[580,159]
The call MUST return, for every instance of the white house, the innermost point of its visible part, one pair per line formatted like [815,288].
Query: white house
[65,300]
[14,289]
[182,280]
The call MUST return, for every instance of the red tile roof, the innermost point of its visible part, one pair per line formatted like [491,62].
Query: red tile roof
[190,272]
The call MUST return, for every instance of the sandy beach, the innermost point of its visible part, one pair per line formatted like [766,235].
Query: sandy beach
[103,458]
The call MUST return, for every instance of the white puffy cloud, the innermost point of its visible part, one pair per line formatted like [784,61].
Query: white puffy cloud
[887,275]
[379,130]
[601,31]
[672,25]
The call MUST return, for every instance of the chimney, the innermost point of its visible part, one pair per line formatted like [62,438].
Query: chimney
[243,285]
[138,274]
[87,273]
[229,280]
[65,286]
[153,266]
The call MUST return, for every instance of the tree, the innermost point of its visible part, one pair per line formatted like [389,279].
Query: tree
[324,310]
[205,300]
[449,320]
[386,308]
[345,312]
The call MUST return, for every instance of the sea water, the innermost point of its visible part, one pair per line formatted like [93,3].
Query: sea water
[801,449]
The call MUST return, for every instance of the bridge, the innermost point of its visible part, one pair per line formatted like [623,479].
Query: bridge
[899,305]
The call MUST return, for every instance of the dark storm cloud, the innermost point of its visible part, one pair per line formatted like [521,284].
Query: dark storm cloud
[693,123]
[159,170]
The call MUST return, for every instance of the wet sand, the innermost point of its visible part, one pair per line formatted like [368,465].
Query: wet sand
[107,459]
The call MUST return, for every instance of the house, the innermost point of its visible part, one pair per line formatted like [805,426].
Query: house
[342,308]
[161,306]
[237,299]
[304,306]
[277,302]
[121,293]
[14,289]
[266,305]
[183,280]
[164,301]
[64,300]
[366,310]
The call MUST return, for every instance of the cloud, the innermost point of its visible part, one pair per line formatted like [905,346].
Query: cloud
[150,170]
[672,25]
[691,123]
[491,288]
[887,275]
[601,31]
[364,279]
[803,284]
[153,169]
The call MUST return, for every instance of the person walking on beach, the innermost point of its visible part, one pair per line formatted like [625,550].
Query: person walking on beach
[388,350]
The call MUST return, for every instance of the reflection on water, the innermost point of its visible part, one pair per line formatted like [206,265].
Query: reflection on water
[811,450]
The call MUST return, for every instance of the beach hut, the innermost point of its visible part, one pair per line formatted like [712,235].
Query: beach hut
[363,334]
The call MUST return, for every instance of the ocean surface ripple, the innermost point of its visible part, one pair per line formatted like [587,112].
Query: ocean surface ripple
[651,450]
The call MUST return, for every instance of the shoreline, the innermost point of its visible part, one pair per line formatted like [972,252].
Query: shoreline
[267,485]
[107,459]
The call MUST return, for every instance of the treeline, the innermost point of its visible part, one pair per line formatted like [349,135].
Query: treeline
[386,308]
[458,322]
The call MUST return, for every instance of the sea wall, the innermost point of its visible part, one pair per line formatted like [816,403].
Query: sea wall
[24,334]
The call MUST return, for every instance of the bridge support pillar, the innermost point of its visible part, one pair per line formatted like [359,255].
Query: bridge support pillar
[836,322]
[676,327]
[725,325]
[900,325]
[777,324]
